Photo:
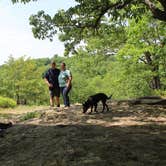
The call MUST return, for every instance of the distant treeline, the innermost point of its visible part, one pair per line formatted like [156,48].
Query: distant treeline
[22,79]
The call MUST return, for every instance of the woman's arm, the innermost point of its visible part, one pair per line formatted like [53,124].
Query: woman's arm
[68,84]
[69,81]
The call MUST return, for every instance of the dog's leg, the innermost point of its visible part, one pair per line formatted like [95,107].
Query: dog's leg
[103,105]
[107,107]
[96,108]
[91,108]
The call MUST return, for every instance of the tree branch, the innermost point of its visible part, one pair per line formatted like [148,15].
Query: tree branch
[143,60]
[157,13]
[163,3]
[148,58]
[118,5]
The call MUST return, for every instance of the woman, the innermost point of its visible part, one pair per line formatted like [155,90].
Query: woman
[65,79]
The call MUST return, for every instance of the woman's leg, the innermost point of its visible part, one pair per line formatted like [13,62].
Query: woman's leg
[62,92]
[66,96]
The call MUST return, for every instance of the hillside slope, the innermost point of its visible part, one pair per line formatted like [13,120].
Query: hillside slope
[125,136]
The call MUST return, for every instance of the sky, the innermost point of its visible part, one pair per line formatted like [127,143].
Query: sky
[16,37]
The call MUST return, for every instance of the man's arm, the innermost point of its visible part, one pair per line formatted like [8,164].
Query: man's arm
[49,85]
[46,80]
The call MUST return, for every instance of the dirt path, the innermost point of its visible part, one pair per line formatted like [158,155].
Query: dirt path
[125,136]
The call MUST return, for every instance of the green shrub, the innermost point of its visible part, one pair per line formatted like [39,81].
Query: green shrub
[30,115]
[7,102]
[161,93]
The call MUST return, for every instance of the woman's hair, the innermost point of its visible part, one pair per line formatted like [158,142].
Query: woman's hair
[63,63]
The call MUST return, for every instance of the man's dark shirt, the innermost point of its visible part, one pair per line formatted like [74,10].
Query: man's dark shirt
[52,76]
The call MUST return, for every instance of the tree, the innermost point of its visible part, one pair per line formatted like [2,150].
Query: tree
[146,44]
[101,7]
[21,79]
[123,45]
[87,16]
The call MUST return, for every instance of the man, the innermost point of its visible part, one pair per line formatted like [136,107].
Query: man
[51,79]
[65,78]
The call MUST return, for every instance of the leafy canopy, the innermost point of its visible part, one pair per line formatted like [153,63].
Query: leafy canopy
[88,16]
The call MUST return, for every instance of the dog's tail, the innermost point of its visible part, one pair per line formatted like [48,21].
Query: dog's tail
[110,96]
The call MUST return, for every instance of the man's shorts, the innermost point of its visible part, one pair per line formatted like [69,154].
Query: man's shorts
[54,92]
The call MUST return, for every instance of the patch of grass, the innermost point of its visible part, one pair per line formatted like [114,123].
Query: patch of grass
[30,115]
[4,116]
[7,102]
[21,109]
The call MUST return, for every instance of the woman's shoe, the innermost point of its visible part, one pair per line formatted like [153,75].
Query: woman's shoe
[66,107]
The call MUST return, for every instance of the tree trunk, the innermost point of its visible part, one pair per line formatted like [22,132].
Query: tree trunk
[18,99]
[155,82]
[18,95]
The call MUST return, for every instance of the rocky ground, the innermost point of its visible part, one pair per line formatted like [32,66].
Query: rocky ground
[129,135]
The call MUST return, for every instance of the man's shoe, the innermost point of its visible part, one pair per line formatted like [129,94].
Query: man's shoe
[51,107]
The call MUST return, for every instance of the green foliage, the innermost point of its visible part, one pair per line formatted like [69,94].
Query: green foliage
[144,47]
[120,53]
[105,64]
[30,115]
[92,74]
[22,1]
[21,79]
[88,17]
[7,102]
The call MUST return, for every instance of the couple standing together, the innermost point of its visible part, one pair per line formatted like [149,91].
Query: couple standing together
[58,81]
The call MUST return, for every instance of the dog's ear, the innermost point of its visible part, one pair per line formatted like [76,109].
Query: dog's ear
[84,103]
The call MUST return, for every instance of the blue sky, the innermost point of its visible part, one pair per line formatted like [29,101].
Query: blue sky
[16,37]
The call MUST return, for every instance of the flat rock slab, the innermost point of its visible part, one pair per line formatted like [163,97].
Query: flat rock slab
[151,100]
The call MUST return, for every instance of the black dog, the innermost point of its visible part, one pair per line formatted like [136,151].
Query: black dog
[93,101]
